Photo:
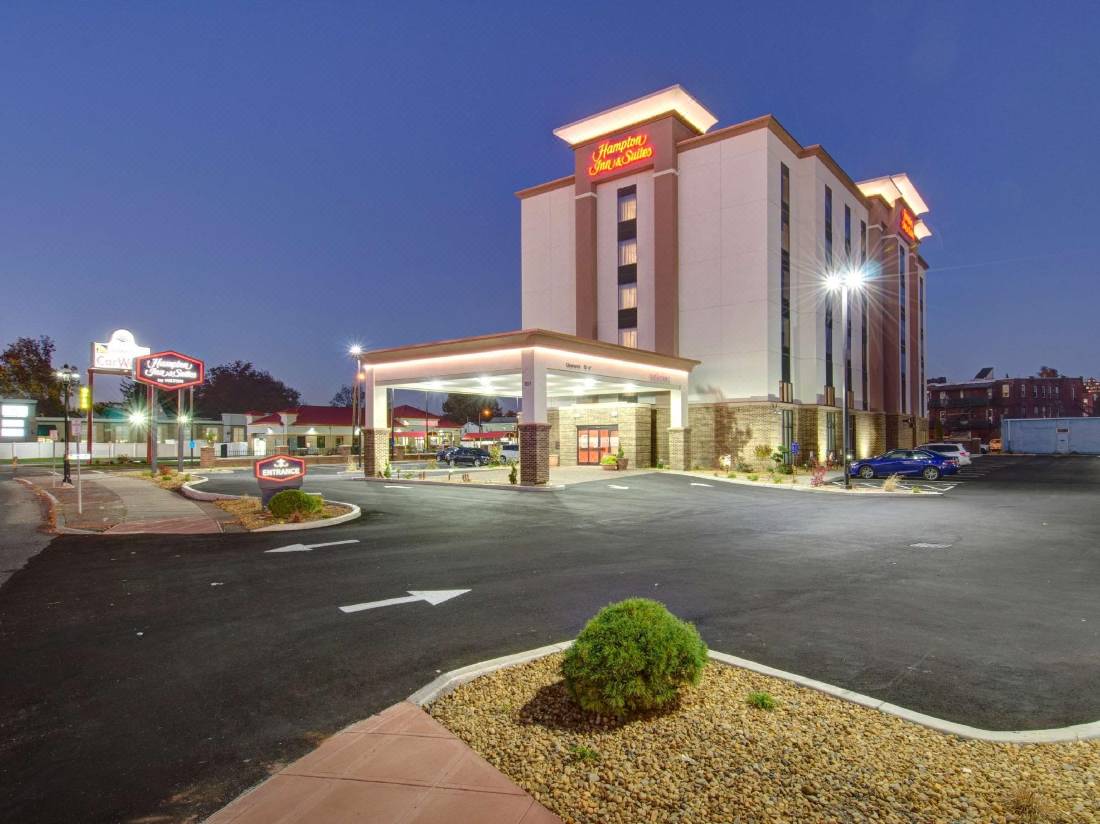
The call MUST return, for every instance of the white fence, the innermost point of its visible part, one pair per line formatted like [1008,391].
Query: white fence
[1049,436]
[56,449]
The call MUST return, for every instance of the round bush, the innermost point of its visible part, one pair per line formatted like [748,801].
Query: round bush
[293,502]
[633,656]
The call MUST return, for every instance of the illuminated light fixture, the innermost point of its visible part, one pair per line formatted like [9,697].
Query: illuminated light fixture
[138,418]
[13,410]
[630,387]
[892,187]
[851,278]
[311,431]
[673,99]
[435,384]
[182,419]
[922,230]
[486,382]
[355,350]
[589,382]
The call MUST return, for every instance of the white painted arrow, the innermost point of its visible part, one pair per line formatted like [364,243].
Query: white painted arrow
[707,485]
[308,547]
[432,596]
[617,486]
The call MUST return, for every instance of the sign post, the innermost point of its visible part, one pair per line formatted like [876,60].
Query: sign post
[277,473]
[169,371]
[115,357]
[79,484]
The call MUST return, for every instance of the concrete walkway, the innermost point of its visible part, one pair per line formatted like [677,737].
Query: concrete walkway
[119,504]
[398,767]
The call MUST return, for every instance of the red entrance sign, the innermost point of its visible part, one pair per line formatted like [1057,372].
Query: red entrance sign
[168,370]
[908,224]
[619,153]
[279,469]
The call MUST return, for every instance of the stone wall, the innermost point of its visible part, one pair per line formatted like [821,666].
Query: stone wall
[679,448]
[870,434]
[376,451]
[662,419]
[734,429]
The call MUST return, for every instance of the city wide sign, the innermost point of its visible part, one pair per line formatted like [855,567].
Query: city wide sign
[617,153]
[118,353]
[281,469]
[168,370]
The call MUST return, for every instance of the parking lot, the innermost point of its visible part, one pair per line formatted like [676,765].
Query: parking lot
[161,677]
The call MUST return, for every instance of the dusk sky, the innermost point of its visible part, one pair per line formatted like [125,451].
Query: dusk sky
[274,181]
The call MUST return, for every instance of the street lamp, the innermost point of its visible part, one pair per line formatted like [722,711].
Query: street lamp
[846,281]
[354,457]
[67,374]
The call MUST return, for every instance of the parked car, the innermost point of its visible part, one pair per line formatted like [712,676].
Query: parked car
[444,454]
[995,445]
[919,463]
[469,456]
[949,450]
[509,452]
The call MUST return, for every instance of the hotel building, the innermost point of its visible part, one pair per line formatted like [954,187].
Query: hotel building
[674,301]
[714,245]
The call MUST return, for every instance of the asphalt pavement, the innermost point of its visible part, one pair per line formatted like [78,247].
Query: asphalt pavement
[160,676]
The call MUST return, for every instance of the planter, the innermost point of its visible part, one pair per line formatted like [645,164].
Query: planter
[610,467]
[624,463]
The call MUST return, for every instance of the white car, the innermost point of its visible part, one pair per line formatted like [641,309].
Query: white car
[949,450]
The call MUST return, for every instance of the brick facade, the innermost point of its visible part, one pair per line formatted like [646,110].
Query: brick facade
[679,448]
[376,451]
[534,453]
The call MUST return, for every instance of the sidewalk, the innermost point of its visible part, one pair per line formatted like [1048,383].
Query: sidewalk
[398,767]
[118,504]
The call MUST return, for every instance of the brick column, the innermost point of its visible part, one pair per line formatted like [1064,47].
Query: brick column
[534,453]
[376,451]
[679,447]
[206,457]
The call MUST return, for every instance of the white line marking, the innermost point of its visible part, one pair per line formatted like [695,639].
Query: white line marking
[923,545]
[395,486]
[693,483]
[616,486]
[308,547]
[432,596]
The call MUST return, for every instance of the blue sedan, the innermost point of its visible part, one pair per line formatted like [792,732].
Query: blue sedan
[912,462]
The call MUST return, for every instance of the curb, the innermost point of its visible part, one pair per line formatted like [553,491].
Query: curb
[470,485]
[197,494]
[449,681]
[798,488]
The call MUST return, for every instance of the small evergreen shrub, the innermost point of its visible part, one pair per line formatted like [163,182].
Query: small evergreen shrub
[291,502]
[753,476]
[609,460]
[633,656]
[513,474]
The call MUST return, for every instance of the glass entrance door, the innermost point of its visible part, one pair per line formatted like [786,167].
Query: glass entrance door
[593,442]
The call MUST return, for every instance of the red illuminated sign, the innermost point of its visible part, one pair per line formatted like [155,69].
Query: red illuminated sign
[619,153]
[280,469]
[168,370]
[908,224]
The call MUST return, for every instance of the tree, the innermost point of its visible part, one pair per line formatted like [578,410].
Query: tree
[1047,372]
[463,408]
[344,396]
[26,371]
[241,387]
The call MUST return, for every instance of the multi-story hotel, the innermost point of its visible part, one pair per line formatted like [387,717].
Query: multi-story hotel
[674,301]
[715,245]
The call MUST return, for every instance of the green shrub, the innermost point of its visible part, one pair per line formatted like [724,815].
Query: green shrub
[731,475]
[293,502]
[761,700]
[753,476]
[762,451]
[609,460]
[633,656]
[513,474]
[580,752]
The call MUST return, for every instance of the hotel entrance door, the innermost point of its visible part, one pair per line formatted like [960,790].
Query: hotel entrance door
[593,442]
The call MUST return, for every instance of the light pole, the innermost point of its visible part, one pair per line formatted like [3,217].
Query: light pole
[355,351]
[67,374]
[846,282]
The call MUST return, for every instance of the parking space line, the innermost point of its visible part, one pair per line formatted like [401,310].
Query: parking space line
[693,483]
[395,486]
[617,486]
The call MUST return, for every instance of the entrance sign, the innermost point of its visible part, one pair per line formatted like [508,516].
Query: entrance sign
[619,153]
[169,370]
[118,353]
[277,473]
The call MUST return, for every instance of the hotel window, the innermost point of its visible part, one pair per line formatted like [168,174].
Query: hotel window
[785,268]
[787,425]
[863,315]
[901,329]
[920,326]
[989,392]
[847,232]
[830,433]
[1006,390]
[627,213]
[1023,391]
[828,296]
[828,226]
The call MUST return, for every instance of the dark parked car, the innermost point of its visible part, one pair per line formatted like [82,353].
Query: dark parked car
[444,454]
[911,462]
[469,456]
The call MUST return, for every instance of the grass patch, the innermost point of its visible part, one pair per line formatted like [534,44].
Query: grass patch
[579,752]
[251,515]
[761,700]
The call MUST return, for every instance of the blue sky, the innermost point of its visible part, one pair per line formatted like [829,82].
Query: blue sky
[273,181]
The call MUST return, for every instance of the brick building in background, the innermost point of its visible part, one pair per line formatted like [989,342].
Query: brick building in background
[976,408]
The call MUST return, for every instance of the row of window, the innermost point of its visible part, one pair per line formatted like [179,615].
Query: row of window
[627,214]
[1037,391]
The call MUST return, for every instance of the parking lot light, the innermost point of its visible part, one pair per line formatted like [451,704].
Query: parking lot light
[847,280]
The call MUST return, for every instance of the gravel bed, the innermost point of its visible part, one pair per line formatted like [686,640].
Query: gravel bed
[714,758]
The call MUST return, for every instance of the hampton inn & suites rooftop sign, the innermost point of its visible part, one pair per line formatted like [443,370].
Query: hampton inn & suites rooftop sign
[168,370]
[617,153]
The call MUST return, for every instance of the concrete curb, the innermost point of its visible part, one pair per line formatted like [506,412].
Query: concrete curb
[908,492]
[198,495]
[470,485]
[449,681]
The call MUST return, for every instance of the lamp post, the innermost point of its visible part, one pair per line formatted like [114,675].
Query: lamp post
[846,282]
[67,374]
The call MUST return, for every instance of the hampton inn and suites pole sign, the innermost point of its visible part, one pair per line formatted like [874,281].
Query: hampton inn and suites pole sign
[168,370]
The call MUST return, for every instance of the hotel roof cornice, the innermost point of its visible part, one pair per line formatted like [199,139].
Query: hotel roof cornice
[673,100]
